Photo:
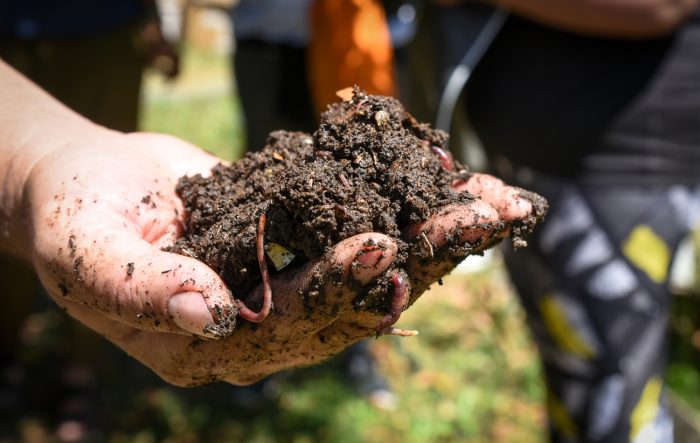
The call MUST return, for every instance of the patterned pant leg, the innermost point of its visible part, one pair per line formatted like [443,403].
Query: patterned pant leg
[593,283]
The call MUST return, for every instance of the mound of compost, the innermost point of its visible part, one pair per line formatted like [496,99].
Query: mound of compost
[369,167]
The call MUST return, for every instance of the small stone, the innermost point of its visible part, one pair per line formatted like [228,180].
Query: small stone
[381,117]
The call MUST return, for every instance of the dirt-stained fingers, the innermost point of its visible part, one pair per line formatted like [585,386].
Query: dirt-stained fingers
[118,274]
[307,299]
[511,202]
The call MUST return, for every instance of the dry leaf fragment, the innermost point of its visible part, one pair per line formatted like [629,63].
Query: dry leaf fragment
[279,255]
[345,94]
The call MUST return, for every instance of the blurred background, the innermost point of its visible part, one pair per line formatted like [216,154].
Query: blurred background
[471,375]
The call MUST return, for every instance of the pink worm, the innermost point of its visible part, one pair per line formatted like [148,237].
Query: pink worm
[399,299]
[243,310]
[445,157]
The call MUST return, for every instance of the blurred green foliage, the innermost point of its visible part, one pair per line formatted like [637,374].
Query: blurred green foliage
[198,106]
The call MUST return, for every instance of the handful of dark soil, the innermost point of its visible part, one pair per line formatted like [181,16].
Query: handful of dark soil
[369,167]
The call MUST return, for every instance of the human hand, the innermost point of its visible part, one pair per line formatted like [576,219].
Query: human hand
[102,209]
[92,209]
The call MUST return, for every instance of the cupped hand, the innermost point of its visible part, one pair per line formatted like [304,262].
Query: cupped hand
[101,209]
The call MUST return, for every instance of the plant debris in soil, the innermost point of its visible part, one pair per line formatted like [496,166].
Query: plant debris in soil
[369,167]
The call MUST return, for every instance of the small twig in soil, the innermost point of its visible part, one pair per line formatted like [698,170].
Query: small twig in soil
[344,180]
[398,302]
[399,332]
[187,252]
[428,246]
[243,310]
[324,154]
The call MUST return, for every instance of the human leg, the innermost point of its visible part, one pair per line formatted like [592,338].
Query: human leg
[593,283]
[273,89]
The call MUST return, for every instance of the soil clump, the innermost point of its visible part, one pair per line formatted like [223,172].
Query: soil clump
[369,167]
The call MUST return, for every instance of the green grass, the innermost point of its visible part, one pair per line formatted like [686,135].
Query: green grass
[206,121]
[199,106]
[471,375]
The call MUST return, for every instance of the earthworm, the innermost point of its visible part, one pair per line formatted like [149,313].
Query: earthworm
[445,157]
[398,302]
[243,310]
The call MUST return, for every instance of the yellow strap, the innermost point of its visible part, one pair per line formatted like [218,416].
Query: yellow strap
[647,409]
[648,252]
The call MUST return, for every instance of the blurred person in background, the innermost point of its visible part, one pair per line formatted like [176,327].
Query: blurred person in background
[90,56]
[269,63]
[596,106]
[292,56]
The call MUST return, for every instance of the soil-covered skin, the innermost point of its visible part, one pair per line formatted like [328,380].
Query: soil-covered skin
[369,167]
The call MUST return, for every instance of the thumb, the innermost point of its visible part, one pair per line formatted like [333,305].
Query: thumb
[128,279]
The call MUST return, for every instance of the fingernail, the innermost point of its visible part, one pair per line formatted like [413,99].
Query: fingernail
[372,260]
[189,311]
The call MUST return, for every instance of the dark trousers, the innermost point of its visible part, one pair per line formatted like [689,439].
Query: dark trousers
[273,88]
[594,284]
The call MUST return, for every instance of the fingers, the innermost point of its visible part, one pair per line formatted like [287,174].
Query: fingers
[477,225]
[507,200]
[364,256]
[448,236]
[279,342]
[129,280]
[308,299]
[458,222]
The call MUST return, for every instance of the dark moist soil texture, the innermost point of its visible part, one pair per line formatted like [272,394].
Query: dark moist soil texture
[369,167]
